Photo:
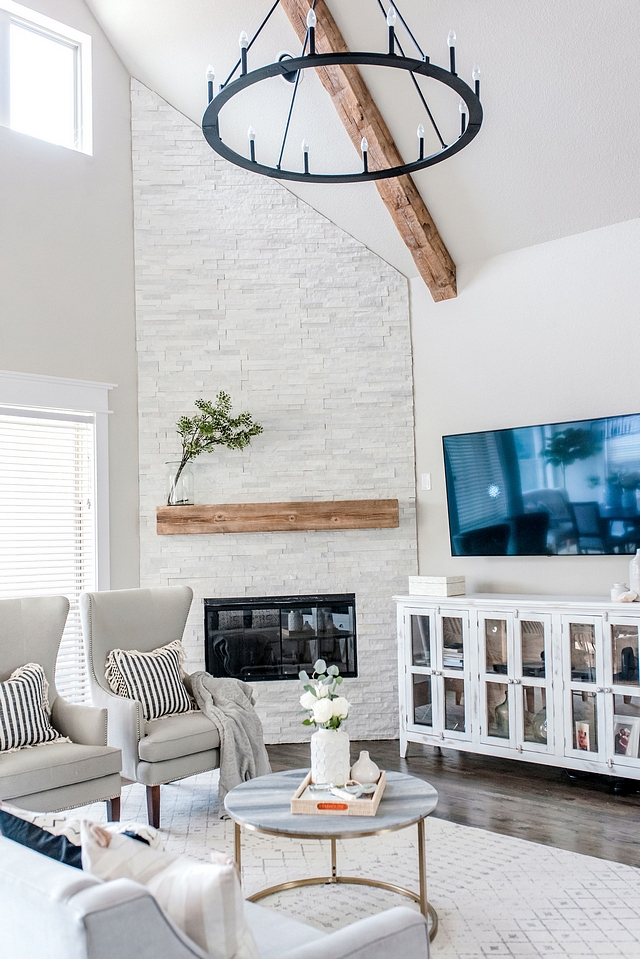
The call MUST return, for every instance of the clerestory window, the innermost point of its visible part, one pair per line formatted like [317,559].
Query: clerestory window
[45,78]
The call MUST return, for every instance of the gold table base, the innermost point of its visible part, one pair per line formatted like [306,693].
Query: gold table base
[426,908]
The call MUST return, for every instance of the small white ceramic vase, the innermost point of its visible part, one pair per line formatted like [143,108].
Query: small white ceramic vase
[330,758]
[364,770]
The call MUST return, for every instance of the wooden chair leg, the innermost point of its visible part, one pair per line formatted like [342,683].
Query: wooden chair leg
[153,806]
[113,809]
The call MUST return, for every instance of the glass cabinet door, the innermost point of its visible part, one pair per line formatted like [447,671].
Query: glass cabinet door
[453,673]
[438,676]
[584,693]
[498,701]
[421,713]
[419,629]
[532,682]
[421,639]
[623,746]
[622,693]
[452,642]
[623,649]
[532,648]
[497,658]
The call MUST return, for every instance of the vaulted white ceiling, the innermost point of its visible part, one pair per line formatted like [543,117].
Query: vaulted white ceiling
[559,151]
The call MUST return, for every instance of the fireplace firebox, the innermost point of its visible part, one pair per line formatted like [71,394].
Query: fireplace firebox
[274,637]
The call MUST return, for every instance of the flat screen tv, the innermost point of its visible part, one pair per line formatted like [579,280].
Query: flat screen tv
[559,489]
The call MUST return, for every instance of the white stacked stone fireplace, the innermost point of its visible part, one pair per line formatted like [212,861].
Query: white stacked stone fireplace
[242,287]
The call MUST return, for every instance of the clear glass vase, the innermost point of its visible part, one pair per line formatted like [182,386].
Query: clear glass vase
[330,757]
[179,487]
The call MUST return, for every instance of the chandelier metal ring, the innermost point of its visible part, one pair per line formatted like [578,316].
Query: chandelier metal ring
[211,122]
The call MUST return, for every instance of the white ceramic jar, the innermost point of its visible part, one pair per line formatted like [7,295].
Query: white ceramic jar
[364,770]
[617,590]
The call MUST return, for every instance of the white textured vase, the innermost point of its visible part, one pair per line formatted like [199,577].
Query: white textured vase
[330,760]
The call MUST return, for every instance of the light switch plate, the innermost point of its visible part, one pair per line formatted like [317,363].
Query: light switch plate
[426,480]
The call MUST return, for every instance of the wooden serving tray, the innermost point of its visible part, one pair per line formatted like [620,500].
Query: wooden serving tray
[324,804]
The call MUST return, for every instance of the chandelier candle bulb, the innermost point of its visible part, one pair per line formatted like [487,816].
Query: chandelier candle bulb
[451,40]
[311,27]
[391,23]
[251,133]
[211,75]
[244,44]
[364,146]
[420,142]
[475,75]
[305,154]
[463,117]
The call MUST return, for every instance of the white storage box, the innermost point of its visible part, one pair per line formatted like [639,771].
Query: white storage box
[437,586]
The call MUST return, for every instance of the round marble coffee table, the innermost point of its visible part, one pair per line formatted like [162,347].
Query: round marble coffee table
[264,805]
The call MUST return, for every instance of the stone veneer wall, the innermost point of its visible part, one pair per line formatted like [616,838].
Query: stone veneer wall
[243,287]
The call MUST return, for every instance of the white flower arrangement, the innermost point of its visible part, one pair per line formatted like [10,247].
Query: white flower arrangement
[325,707]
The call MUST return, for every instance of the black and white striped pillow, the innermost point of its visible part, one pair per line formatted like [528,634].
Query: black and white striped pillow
[24,709]
[154,679]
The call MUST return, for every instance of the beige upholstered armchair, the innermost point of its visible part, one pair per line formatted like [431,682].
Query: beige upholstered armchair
[54,775]
[153,751]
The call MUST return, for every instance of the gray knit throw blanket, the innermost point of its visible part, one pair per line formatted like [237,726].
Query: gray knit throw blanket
[229,703]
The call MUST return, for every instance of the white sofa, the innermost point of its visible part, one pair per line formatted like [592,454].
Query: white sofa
[52,911]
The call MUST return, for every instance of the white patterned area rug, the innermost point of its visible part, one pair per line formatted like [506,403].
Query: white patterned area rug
[494,895]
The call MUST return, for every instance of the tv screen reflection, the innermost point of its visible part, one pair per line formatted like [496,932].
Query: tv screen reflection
[560,489]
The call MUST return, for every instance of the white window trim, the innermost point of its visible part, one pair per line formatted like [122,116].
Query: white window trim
[30,391]
[8,9]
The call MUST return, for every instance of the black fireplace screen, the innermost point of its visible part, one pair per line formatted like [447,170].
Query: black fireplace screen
[274,637]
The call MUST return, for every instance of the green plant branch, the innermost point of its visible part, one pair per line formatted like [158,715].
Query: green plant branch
[213,426]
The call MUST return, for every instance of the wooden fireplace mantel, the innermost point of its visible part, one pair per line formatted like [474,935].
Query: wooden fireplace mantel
[272,517]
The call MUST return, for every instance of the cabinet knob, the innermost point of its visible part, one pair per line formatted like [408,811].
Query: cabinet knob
[599,689]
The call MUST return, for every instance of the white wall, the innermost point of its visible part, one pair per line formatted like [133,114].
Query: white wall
[66,268]
[543,334]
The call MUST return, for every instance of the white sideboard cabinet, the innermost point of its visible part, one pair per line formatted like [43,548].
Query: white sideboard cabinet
[552,679]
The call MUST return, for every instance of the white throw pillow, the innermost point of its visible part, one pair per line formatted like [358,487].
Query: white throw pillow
[203,898]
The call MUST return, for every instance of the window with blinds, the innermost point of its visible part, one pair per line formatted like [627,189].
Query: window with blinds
[47,520]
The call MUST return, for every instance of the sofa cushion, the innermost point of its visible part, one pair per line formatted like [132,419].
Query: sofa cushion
[175,736]
[277,933]
[203,898]
[38,768]
[24,709]
[153,679]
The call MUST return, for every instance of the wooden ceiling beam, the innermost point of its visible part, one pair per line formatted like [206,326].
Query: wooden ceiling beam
[361,118]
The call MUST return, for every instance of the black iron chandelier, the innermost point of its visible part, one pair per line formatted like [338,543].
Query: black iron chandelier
[470,108]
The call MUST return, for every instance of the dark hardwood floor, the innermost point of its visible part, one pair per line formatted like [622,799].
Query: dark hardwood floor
[520,799]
